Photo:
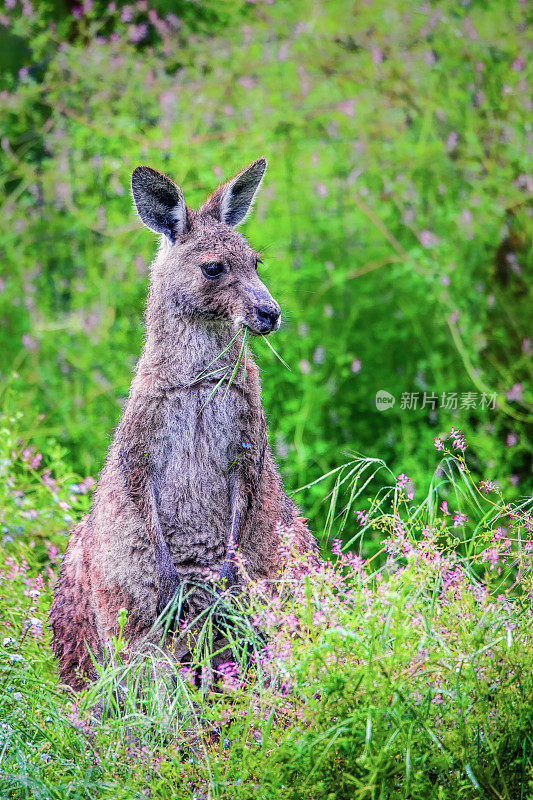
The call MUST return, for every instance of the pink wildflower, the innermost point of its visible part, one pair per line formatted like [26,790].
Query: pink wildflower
[48,481]
[229,675]
[403,482]
[35,461]
[444,507]
[336,547]
[492,556]
[53,553]
[439,444]
[355,562]
[362,517]
[459,519]
[451,583]
[188,675]
[458,442]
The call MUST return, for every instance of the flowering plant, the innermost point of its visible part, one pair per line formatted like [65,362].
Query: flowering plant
[403,663]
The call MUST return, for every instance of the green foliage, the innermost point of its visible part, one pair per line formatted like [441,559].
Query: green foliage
[395,228]
[394,220]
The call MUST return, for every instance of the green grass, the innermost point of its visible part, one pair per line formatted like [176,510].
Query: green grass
[401,672]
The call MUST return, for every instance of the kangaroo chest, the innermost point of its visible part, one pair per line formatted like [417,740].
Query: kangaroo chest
[201,441]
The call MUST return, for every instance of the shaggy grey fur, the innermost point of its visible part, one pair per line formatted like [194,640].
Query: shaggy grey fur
[187,479]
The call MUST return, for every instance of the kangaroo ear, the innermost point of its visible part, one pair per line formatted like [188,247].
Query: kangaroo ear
[232,202]
[159,202]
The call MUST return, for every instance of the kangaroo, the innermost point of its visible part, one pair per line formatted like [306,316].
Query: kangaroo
[189,477]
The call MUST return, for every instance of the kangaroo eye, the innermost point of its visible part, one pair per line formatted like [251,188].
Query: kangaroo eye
[212,270]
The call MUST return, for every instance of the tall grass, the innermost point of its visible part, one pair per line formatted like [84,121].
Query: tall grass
[400,668]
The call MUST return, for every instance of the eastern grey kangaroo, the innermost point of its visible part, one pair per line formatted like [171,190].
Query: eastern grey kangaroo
[189,476]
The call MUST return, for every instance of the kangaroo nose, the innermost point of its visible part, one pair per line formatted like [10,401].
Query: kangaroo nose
[267,318]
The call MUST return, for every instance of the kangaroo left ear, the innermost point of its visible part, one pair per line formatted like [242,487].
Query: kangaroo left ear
[232,202]
[159,202]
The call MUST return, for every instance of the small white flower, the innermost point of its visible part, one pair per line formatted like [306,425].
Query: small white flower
[16,658]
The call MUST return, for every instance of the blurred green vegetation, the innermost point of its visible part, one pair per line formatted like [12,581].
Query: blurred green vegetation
[395,221]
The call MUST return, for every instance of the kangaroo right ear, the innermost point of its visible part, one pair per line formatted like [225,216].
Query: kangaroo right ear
[159,202]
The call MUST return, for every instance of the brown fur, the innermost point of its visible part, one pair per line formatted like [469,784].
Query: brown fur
[183,475]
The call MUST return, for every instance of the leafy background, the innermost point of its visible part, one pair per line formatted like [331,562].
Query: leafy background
[395,226]
[395,220]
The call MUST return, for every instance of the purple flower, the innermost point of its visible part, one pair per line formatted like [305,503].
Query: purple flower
[247,82]
[229,675]
[347,107]
[35,462]
[188,675]
[137,33]
[453,317]
[459,519]
[451,142]
[377,56]
[515,392]
[29,343]
[428,239]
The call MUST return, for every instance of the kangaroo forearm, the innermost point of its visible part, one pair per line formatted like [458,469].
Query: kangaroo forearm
[229,569]
[140,486]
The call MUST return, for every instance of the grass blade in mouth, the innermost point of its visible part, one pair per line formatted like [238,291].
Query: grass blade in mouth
[201,375]
[225,370]
[213,391]
[239,359]
[276,353]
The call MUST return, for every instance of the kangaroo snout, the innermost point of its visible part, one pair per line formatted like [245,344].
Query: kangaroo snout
[268,319]
[265,318]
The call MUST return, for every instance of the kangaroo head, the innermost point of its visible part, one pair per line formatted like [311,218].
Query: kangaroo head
[206,268]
